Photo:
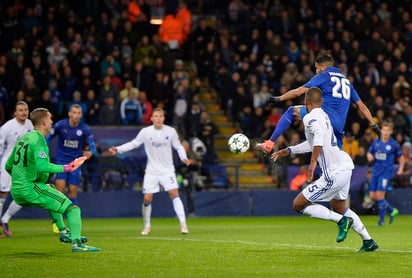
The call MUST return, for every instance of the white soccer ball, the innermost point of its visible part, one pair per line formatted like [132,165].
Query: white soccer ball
[238,143]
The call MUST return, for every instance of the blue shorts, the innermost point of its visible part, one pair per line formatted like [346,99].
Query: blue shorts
[72,178]
[379,183]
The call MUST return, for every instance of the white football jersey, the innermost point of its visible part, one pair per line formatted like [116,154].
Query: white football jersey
[10,132]
[319,132]
[158,144]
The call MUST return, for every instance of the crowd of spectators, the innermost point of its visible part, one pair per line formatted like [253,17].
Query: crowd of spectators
[108,57]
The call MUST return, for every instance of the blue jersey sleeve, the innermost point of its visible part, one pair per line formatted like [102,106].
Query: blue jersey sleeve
[90,139]
[354,96]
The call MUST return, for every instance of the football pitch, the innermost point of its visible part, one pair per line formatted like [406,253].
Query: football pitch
[216,247]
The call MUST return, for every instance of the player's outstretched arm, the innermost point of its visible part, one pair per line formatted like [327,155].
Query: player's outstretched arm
[368,115]
[112,151]
[294,93]
[74,164]
[281,153]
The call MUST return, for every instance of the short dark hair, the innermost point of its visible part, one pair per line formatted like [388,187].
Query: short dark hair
[324,56]
[314,95]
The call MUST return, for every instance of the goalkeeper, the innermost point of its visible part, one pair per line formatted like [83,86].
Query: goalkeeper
[338,94]
[29,166]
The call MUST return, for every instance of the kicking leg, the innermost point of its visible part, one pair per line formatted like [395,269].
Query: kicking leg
[287,118]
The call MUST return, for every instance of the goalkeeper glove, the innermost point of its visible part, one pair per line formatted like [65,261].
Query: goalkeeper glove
[74,164]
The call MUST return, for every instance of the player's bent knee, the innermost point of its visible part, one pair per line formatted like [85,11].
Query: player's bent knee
[298,207]
[72,207]
[173,193]
[299,203]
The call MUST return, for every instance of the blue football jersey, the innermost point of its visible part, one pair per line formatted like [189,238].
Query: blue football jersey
[70,140]
[385,154]
[338,94]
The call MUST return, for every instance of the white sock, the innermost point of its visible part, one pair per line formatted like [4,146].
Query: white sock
[12,210]
[180,211]
[357,225]
[146,213]
[2,200]
[321,212]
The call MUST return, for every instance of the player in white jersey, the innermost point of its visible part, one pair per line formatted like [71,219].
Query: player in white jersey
[158,140]
[9,133]
[336,166]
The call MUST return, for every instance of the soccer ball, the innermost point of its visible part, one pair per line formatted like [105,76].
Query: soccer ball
[238,143]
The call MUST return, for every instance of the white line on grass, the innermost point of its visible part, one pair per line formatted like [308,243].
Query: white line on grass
[266,244]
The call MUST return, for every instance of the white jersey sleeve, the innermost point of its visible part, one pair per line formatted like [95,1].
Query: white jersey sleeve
[134,144]
[303,147]
[158,144]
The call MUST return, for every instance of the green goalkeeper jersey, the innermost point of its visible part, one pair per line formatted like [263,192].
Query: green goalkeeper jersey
[29,162]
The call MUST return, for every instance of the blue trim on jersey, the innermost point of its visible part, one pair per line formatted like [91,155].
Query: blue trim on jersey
[328,179]
[311,121]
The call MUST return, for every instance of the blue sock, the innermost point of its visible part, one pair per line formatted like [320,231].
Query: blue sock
[389,208]
[283,124]
[74,201]
[381,209]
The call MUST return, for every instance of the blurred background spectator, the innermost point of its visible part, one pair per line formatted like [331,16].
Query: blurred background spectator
[246,51]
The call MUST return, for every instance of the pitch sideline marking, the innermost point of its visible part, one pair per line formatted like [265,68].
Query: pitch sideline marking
[267,244]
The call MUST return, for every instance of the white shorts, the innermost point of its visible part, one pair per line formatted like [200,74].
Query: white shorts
[335,187]
[151,182]
[5,180]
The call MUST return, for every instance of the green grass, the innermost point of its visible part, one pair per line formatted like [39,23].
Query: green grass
[216,247]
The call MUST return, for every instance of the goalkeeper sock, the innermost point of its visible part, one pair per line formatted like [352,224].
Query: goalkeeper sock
[58,219]
[74,221]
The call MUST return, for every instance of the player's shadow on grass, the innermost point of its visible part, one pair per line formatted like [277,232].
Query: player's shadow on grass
[29,254]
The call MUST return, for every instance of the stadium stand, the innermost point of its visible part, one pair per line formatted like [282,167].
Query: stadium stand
[51,49]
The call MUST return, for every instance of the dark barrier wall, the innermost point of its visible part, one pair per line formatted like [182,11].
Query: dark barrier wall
[214,203]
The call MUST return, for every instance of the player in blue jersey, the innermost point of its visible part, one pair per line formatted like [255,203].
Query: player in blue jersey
[71,134]
[384,152]
[337,92]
